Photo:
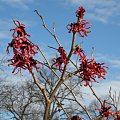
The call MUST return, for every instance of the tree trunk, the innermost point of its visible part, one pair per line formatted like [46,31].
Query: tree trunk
[47,111]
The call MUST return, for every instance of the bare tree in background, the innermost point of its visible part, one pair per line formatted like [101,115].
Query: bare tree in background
[22,102]
[25,102]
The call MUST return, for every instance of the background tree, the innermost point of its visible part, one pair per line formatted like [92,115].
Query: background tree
[24,101]
[21,101]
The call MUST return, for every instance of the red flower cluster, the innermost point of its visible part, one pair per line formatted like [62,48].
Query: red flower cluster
[62,59]
[117,117]
[80,12]
[78,50]
[89,68]
[75,118]
[81,26]
[23,49]
[19,30]
[105,110]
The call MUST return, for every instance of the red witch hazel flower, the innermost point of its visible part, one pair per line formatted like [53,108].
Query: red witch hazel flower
[28,48]
[19,30]
[60,60]
[62,52]
[25,47]
[13,44]
[75,118]
[20,62]
[23,50]
[31,62]
[90,69]
[117,117]
[78,50]
[80,13]
[82,28]
[105,110]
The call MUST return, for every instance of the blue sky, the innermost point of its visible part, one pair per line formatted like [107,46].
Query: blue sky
[104,15]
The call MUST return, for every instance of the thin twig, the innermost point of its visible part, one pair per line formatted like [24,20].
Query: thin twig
[40,87]
[61,107]
[94,94]
[78,102]
[44,25]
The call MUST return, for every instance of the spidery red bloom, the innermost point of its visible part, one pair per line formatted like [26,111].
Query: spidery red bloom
[62,52]
[80,13]
[13,44]
[105,110]
[116,115]
[82,28]
[23,50]
[19,31]
[79,51]
[28,48]
[31,62]
[117,118]
[90,69]
[60,60]
[20,61]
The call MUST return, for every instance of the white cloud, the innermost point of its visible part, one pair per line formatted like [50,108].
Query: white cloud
[101,90]
[111,61]
[100,10]
[17,3]
[5,33]
[115,63]
[104,87]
